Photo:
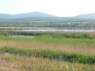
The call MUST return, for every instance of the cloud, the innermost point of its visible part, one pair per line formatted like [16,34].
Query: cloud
[55,7]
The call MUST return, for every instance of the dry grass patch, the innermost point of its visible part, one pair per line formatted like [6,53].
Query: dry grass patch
[10,62]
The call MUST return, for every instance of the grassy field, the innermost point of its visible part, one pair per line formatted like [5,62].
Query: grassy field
[9,62]
[84,45]
[69,52]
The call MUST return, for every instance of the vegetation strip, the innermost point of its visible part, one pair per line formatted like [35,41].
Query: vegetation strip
[50,54]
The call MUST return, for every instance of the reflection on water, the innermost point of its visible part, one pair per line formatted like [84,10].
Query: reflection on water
[55,30]
[44,29]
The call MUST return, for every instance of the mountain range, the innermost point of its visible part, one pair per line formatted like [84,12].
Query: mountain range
[26,15]
[42,15]
[39,19]
[87,16]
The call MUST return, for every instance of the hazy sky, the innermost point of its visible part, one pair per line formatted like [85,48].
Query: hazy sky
[54,7]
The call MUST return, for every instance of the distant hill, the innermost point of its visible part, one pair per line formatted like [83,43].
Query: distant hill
[41,15]
[39,19]
[3,16]
[87,16]
[33,14]
[26,15]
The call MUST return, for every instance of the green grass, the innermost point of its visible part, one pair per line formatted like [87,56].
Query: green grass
[82,45]
[61,39]
[43,53]
[65,39]
[50,54]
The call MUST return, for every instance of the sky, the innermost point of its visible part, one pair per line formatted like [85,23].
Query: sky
[60,8]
